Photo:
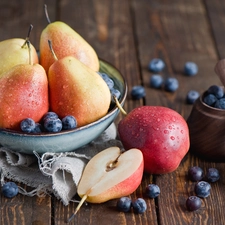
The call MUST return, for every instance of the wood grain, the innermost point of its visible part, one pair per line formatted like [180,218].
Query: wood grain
[129,34]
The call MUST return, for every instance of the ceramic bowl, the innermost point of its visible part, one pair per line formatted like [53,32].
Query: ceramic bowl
[67,140]
[207,131]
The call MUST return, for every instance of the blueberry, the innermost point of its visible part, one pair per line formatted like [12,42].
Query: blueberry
[53,124]
[216,90]
[210,99]
[220,103]
[192,96]
[38,128]
[115,92]
[10,189]
[171,84]
[152,191]
[124,204]
[193,203]
[139,205]
[190,69]
[156,81]
[138,92]
[27,125]
[195,173]
[202,189]
[156,65]
[212,175]
[50,115]
[107,79]
[69,122]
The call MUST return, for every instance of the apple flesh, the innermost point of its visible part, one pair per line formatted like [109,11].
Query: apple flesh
[160,133]
[111,174]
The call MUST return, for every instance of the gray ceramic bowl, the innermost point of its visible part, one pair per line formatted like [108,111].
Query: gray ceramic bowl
[67,140]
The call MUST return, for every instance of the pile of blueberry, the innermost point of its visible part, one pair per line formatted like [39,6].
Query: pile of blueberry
[170,84]
[139,206]
[215,97]
[49,123]
[202,187]
[114,91]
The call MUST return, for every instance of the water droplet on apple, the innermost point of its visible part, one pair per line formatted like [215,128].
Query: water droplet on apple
[172,138]
[166,132]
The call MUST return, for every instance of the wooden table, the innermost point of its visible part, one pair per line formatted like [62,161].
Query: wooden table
[128,34]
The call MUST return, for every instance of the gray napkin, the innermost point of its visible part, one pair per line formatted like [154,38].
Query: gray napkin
[53,173]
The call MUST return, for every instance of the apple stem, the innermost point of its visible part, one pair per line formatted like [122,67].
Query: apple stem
[29,49]
[46,14]
[51,48]
[119,105]
[78,207]
[28,36]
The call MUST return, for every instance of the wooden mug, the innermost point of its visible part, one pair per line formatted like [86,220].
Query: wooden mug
[207,131]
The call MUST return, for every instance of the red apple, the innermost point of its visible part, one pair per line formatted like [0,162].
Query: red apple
[160,133]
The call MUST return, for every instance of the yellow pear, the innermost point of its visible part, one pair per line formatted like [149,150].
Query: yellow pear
[23,94]
[66,42]
[75,89]
[14,51]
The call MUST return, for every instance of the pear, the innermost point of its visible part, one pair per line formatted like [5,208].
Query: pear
[14,51]
[77,90]
[66,42]
[23,94]
[110,174]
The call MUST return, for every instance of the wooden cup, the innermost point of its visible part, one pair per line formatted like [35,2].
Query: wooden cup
[207,131]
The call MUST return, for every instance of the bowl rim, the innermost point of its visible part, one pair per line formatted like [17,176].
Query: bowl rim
[63,132]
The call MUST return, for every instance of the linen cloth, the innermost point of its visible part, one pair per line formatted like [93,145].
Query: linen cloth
[53,173]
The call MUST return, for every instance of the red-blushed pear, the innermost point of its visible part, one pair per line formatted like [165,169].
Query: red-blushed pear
[160,133]
[14,51]
[66,42]
[110,174]
[77,90]
[23,94]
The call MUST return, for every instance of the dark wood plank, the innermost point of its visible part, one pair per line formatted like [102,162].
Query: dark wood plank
[25,210]
[108,28]
[216,14]
[129,34]
[178,31]
[15,18]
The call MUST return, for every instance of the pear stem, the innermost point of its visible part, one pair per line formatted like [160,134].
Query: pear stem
[29,49]
[46,13]
[77,209]
[51,48]
[119,105]
[28,36]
